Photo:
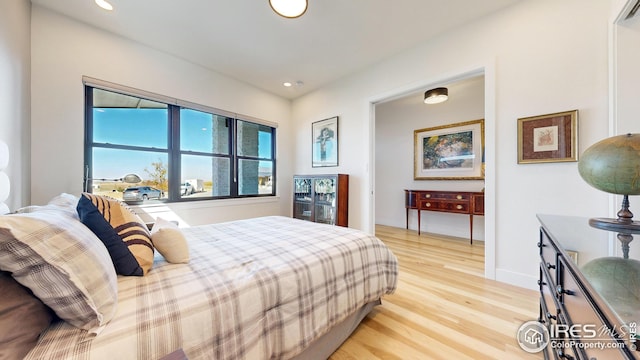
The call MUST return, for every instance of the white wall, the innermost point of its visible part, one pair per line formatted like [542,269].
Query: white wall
[627,76]
[626,106]
[64,50]
[395,122]
[15,30]
[545,56]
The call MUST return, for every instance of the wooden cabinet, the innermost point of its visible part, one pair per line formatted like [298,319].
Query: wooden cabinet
[571,302]
[458,202]
[321,198]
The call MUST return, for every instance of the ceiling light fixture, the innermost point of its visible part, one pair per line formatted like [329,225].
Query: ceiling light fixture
[290,84]
[104,4]
[288,8]
[437,95]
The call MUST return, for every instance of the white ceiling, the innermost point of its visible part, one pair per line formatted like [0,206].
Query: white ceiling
[246,40]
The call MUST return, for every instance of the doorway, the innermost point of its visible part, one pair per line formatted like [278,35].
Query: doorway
[394,118]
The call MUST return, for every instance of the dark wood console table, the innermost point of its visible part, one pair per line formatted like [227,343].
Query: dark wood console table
[458,202]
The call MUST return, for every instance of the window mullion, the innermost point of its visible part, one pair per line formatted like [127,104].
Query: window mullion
[88,138]
[174,166]
[273,161]
[233,151]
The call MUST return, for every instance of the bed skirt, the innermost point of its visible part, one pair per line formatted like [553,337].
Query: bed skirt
[328,343]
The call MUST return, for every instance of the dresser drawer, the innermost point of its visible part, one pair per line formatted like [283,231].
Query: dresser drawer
[563,350]
[548,351]
[444,205]
[548,295]
[548,256]
[445,196]
[577,306]
[578,309]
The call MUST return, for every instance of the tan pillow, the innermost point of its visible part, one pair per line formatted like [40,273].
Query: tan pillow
[23,317]
[169,241]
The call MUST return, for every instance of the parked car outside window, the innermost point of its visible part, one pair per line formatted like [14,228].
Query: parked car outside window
[186,189]
[137,193]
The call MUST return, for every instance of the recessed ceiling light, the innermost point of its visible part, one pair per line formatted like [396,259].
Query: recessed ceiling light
[287,84]
[104,4]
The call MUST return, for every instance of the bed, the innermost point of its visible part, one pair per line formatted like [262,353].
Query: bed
[265,288]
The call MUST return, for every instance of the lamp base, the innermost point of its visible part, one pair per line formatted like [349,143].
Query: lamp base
[627,227]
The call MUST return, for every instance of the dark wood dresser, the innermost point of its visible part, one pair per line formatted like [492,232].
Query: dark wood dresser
[457,202]
[587,313]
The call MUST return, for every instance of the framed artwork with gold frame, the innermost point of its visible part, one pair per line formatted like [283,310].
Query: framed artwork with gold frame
[548,138]
[449,152]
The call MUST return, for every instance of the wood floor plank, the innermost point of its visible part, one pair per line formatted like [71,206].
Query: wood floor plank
[443,307]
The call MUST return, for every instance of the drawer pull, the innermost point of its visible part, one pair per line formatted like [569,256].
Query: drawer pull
[540,283]
[427,204]
[459,197]
[550,266]
[541,244]
[549,316]
[561,291]
[459,207]
[562,355]
[427,195]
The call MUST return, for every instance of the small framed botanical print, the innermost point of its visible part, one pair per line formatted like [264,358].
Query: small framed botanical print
[548,138]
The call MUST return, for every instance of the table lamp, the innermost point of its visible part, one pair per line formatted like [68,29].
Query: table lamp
[613,165]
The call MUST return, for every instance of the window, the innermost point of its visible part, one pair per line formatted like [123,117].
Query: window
[180,151]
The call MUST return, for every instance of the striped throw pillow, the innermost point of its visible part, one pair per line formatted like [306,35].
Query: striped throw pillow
[125,227]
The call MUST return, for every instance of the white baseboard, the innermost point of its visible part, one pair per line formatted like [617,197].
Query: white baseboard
[518,279]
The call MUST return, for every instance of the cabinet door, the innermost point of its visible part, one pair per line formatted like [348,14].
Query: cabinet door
[325,200]
[302,198]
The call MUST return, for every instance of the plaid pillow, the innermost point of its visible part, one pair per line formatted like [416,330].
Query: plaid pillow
[125,227]
[62,263]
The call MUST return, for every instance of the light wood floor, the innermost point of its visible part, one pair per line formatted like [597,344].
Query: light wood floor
[443,307]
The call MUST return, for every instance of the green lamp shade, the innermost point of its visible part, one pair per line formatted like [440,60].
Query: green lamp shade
[613,165]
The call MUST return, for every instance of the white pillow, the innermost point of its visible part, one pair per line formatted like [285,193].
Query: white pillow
[67,202]
[63,202]
[169,241]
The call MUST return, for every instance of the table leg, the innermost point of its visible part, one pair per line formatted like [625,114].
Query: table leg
[407,216]
[419,220]
[471,229]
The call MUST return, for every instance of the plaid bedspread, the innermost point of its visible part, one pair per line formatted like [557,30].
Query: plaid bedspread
[261,288]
